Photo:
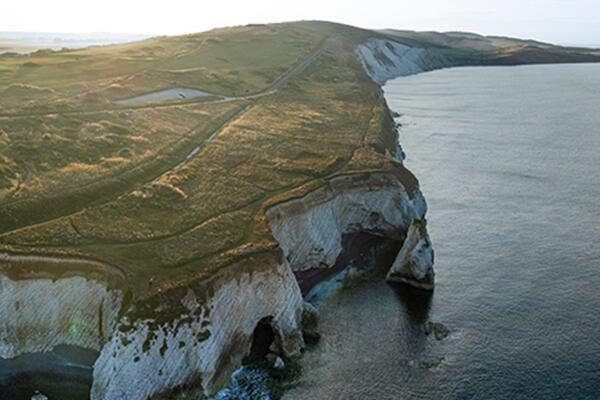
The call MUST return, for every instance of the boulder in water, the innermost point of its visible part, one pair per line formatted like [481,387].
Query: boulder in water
[439,330]
[278,363]
[38,396]
[310,322]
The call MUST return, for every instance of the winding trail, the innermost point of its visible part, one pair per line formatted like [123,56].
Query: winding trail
[300,67]
[197,148]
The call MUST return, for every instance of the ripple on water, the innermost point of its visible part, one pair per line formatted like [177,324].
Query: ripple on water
[513,189]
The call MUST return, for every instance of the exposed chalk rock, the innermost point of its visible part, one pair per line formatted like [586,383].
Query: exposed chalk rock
[386,59]
[38,314]
[310,229]
[278,363]
[38,396]
[414,262]
[209,342]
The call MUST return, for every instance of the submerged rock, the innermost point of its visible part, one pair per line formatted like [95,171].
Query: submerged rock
[439,330]
[278,363]
[425,364]
[38,396]
[414,262]
[310,322]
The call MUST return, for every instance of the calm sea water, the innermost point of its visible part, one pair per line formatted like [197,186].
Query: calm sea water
[509,161]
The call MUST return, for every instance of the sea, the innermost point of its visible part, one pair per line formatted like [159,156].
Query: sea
[508,159]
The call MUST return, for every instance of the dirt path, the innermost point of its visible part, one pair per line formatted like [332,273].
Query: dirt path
[300,67]
[197,148]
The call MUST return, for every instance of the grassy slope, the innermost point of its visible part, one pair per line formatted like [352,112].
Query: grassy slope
[191,222]
[75,169]
[61,132]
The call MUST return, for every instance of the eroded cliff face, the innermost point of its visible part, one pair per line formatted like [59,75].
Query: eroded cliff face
[386,59]
[208,342]
[141,358]
[38,314]
[309,229]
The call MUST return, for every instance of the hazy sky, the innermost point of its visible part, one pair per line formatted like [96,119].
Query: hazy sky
[559,21]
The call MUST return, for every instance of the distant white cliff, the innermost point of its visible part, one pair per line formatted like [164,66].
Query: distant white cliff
[385,59]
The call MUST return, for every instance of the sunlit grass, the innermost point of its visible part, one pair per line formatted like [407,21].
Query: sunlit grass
[85,168]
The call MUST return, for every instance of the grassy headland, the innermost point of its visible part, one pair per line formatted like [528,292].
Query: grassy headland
[81,175]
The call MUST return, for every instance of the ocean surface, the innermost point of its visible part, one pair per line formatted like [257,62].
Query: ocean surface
[65,373]
[509,161]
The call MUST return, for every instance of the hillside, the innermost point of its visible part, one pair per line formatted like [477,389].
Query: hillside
[82,174]
[152,167]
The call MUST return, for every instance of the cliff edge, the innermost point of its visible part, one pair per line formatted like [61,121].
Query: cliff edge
[169,264]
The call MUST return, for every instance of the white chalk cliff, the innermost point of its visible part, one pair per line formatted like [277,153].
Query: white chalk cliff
[309,229]
[206,343]
[385,59]
[413,264]
[38,314]
[207,340]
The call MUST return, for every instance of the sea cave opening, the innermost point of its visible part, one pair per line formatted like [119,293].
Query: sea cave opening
[262,339]
[364,251]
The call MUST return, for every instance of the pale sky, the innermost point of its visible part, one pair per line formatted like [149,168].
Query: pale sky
[557,21]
